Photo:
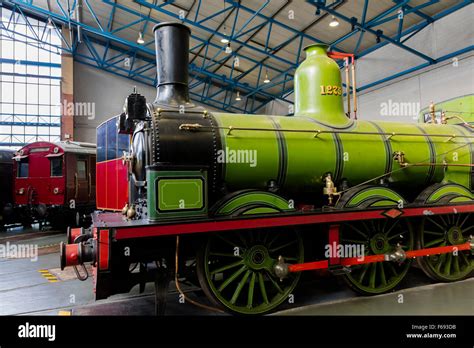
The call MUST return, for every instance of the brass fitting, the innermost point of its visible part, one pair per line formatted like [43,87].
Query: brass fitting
[399,156]
[444,119]
[131,212]
[125,209]
[432,113]
[190,127]
[330,189]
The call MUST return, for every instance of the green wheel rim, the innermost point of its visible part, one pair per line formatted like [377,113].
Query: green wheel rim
[445,230]
[377,237]
[238,269]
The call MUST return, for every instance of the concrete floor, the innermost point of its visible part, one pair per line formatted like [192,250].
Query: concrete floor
[435,299]
[25,290]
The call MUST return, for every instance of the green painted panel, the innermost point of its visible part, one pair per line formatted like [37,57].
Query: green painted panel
[461,200]
[262,210]
[364,156]
[308,158]
[415,148]
[254,198]
[176,194]
[384,203]
[449,190]
[173,194]
[454,151]
[374,192]
[262,145]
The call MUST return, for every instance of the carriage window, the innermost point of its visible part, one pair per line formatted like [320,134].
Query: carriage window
[81,169]
[111,139]
[22,168]
[101,143]
[56,166]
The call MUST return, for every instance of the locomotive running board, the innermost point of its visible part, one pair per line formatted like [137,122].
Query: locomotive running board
[133,229]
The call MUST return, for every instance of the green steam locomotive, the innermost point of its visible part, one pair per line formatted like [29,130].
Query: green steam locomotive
[254,198]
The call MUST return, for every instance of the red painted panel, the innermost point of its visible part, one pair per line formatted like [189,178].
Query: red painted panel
[122,184]
[103,249]
[278,221]
[101,184]
[112,185]
[334,243]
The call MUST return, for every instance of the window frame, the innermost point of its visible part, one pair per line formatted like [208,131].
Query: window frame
[19,166]
[82,160]
[60,158]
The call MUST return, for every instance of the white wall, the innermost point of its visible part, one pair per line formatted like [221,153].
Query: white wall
[441,83]
[107,92]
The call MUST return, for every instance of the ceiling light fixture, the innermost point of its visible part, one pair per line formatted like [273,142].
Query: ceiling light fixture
[224,40]
[334,22]
[140,38]
[267,79]
[238,96]
[228,49]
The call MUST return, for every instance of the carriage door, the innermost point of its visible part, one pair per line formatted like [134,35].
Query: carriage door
[81,180]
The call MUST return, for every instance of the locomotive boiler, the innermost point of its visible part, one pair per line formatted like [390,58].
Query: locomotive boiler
[254,196]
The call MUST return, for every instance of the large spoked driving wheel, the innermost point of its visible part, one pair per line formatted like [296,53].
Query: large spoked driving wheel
[235,269]
[373,238]
[446,230]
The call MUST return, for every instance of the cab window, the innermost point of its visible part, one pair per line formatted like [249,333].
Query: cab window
[111,139]
[101,143]
[22,168]
[56,167]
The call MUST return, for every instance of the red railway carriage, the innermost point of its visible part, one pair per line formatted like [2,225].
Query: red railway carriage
[55,182]
[112,173]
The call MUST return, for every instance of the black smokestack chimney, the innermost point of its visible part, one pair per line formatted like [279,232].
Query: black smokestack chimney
[172,59]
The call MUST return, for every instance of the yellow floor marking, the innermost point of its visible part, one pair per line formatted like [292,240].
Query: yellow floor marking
[48,276]
[65,313]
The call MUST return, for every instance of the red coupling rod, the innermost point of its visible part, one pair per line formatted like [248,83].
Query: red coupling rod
[352,261]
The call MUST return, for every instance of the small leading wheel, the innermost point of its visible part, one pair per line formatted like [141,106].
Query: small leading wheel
[235,269]
[377,237]
[445,230]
